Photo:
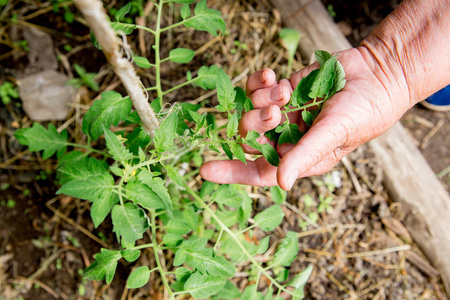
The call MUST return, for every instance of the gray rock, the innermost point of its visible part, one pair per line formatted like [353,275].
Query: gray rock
[45,95]
[41,56]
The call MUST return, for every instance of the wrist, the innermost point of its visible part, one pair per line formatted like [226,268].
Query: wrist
[409,50]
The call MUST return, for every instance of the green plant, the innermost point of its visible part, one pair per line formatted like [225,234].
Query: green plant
[23,44]
[331,11]
[137,178]
[307,98]
[8,92]
[69,16]
[238,45]
[290,38]
[87,79]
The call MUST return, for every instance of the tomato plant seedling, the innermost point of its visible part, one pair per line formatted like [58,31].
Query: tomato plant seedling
[136,177]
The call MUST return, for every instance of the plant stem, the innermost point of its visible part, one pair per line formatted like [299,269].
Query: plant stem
[156,254]
[180,85]
[143,28]
[315,103]
[158,55]
[234,237]
[141,247]
[247,229]
[175,25]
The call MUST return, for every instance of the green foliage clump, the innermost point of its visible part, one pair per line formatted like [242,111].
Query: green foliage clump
[136,178]
[8,92]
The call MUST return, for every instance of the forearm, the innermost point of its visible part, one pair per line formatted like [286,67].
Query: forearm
[410,50]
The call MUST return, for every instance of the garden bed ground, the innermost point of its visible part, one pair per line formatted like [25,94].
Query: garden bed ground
[359,248]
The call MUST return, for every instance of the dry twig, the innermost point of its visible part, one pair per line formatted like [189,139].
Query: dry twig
[95,15]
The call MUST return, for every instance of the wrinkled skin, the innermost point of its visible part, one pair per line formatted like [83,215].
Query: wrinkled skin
[403,61]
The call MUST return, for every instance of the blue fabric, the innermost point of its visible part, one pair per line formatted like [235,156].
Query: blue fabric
[441,98]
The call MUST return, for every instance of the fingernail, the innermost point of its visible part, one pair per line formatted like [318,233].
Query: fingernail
[292,178]
[266,114]
[263,77]
[277,93]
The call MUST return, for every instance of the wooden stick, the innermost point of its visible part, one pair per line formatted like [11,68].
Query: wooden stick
[95,15]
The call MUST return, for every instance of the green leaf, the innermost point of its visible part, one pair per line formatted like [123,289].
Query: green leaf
[227,150]
[225,92]
[144,196]
[203,286]
[79,169]
[166,133]
[190,217]
[115,147]
[207,77]
[142,62]
[180,257]
[158,188]
[228,292]
[228,194]
[263,245]
[290,38]
[251,140]
[121,13]
[102,207]
[232,126]
[181,55]
[299,281]
[240,99]
[205,261]
[107,111]
[339,81]
[269,294]
[199,119]
[283,275]
[207,189]
[177,227]
[270,218]
[123,27]
[104,266]
[182,274]
[173,174]
[130,222]
[92,189]
[172,239]
[248,105]
[206,19]
[288,250]
[301,93]
[238,152]
[267,150]
[278,195]
[290,135]
[309,116]
[37,138]
[322,57]
[251,293]
[324,80]
[138,278]
[130,255]
[185,11]
[270,154]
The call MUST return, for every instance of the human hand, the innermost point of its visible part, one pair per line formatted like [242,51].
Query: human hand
[367,106]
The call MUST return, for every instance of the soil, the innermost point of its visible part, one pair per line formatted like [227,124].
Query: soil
[46,241]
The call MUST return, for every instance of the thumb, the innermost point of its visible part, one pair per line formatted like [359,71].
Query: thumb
[320,142]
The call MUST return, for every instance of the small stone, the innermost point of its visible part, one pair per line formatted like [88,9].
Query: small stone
[46,96]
